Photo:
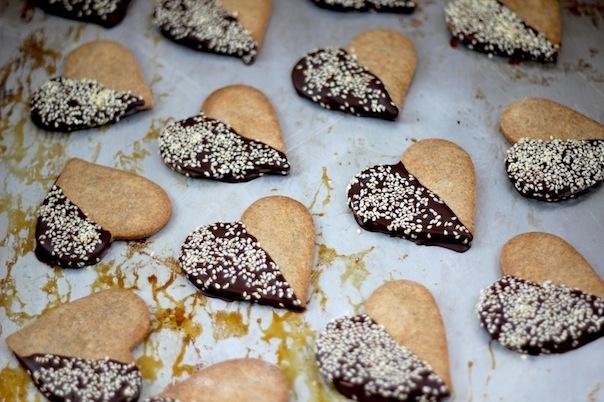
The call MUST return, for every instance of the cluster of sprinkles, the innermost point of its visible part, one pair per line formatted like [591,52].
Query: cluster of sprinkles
[64,104]
[489,26]
[86,8]
[335,79]
[555,170]
[364,361]
[204,147]
[65,235]
[72,379]
[388,199]
[205,25]
[395,5]
[540,318]
[225,261]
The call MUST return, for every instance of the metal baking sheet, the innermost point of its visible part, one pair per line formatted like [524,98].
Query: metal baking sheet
[456,94]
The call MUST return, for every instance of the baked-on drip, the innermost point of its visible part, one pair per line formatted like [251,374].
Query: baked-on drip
[107,13]
[65,236]
[383,6]
[208,148]
[490,27]
[71,379]
[335,80]
[555,170]
[388,199]
[65,104]
[205,25]
[535,319]
[365,363]
[223,260]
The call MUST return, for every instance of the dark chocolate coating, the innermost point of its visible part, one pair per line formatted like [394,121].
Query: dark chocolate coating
[47,254]
[80,389]
[76,13]
[436,234]
[236,289]
[336,101]
[368,6]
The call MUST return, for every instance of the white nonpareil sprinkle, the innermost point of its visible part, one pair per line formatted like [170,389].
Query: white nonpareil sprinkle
[398,199]
[102,8]
[555,169]
[223,255]
[211,146]
[497,28]
[208,23]
[68,103]
[358,351]
[531,318]
[86,380]
[377,4]
[336,74]
[69,234]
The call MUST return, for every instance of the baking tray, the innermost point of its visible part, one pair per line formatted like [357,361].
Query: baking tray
[456,94]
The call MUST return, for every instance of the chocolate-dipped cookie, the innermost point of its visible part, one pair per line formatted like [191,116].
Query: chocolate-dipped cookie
[549,300]
[107,13]
[396,351]
[265,258]
[229,27]
[380,6]
[519,30]
[101,84]
[428,197]
[369,78]
[81,351]
[231,380]
[556,154]
[236,138]
[91,205]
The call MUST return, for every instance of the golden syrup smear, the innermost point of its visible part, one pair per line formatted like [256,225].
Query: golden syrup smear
[295,355]
[228,324]
[14,385]
[140,149]
[325,187]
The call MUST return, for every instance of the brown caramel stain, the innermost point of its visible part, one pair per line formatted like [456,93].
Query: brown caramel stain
[356,271]
[470,367]
[327,187]
[75,32]
[178,367]
[110,274]
[149,365]
[327,255]
[593,10]
[593,394]
[132,161]
[492,355]
[51,288]
[295,355]
[228,324]
[14,384]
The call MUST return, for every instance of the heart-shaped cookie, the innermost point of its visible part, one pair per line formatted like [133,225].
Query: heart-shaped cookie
[91,205]
[380,6]
[368,78]
[107,13]
[265,258]
[520,30]
[81,351]
[397,351]
[557,153]
[101,83]
[550,300]
[237,138]
[231,380]
[229,27]
[428,197]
